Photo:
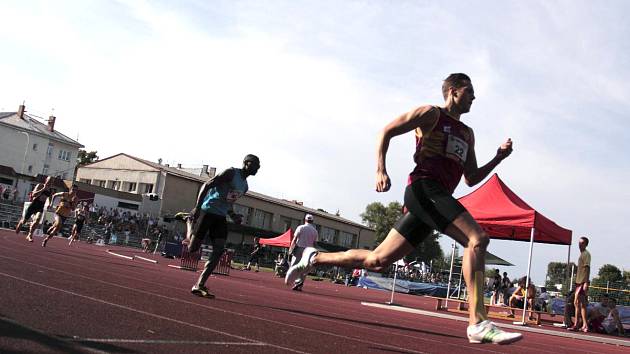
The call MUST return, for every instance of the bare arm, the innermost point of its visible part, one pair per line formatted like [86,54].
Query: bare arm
[423,117]
[474,174]
[38,190]
[615,314]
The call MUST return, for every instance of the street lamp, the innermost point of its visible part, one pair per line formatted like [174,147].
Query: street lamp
[28,142]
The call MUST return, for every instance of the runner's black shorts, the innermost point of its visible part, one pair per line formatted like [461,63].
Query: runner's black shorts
[36,206]
[79,224]
[210,224]
[430,208]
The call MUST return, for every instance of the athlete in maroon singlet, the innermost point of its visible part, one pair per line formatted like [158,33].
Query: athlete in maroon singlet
[444,153]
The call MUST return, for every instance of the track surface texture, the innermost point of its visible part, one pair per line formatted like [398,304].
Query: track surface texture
[81,299]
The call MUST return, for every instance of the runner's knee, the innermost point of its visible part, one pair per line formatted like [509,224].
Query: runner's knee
[479,241]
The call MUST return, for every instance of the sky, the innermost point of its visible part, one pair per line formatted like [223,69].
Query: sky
[307,86]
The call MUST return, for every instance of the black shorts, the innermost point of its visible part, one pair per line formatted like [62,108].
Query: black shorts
[79,224]
[35,207]
[212,224]
[430,208]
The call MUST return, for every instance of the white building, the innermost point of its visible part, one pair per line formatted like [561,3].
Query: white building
[31,147]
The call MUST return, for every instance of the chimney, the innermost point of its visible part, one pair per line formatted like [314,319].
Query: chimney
[159,161]
[20,111]
[204,171]
[51,123]
[179,166]
[167,165]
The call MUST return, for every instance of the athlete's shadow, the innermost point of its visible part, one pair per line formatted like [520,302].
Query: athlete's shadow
[10,329]
[342,319]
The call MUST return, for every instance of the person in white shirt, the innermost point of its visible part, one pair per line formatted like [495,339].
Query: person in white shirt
[305,236]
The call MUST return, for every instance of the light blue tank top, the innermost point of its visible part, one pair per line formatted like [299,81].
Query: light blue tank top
[220,198]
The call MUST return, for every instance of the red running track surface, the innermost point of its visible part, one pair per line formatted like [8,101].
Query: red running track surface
[81,299]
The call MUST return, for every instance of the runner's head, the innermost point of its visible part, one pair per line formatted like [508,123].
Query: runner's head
[308,218]
[251,164]
[458,92]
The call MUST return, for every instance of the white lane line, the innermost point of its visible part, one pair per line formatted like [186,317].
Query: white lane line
[281,324]
[505,325]
[119,255]
[163,341]
[145,259]
[146,313]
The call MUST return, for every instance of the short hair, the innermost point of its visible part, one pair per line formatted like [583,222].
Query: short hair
[585,239]
[454,80]
[251,158]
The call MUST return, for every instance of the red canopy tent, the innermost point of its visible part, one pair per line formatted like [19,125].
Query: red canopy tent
[283,240]
[503,215]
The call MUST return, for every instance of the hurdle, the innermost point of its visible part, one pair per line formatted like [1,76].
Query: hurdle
[188,261]
[225,263]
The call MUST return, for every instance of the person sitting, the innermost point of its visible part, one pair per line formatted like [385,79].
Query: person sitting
[611,324]
[596,314]
[517,300]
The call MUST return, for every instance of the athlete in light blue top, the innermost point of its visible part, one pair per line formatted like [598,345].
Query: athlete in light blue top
[214,203]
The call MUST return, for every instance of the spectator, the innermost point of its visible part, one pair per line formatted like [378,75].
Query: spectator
[542,300]
[506,285]
[517,300]
[598,312]
[612,323]
[495,287]
[281,265]
[581,285]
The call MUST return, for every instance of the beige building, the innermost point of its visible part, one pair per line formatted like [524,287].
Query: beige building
[31,147]
[264,216]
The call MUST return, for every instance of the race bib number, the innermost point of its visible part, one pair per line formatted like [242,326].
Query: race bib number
[456,148]
[233,195]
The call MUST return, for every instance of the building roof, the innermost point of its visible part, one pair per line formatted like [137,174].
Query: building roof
[168,169]
[7,171]
[32,125]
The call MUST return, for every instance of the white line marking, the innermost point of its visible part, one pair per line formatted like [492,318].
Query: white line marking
[518,328]
[119,255]
[145,259]
[163,341]
[146,313]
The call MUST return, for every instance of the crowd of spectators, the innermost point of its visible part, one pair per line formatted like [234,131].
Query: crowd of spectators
[8,193]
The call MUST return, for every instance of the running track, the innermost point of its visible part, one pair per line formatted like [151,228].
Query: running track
[81,299]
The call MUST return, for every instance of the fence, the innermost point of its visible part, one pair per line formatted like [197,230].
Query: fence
[618,290]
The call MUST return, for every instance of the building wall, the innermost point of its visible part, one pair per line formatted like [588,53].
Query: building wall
[179,194]
[13,146]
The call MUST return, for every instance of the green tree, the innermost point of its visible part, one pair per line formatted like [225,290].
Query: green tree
[609,272]
[381,218]
[427,250]
[557,273]
[84,157]
[626,277]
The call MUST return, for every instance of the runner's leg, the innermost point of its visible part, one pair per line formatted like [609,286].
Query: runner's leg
[218,245]
[467,232]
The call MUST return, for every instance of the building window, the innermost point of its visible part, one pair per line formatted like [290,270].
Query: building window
[131,187]
[243,210]
[347,239]
[262,219]
[30,168]
[148,188]
[328,235]
[50,150]
[128,206]
[114,185]
[100,183]
[45,170]
[64,155]
[35,147]
[84,180]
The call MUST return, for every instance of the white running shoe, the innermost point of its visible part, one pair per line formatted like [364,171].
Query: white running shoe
[303,267]
[487,332]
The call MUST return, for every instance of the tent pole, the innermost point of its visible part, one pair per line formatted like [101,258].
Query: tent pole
[391,300]
[459,287]
[566,271]
[450,275]
[529,267]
